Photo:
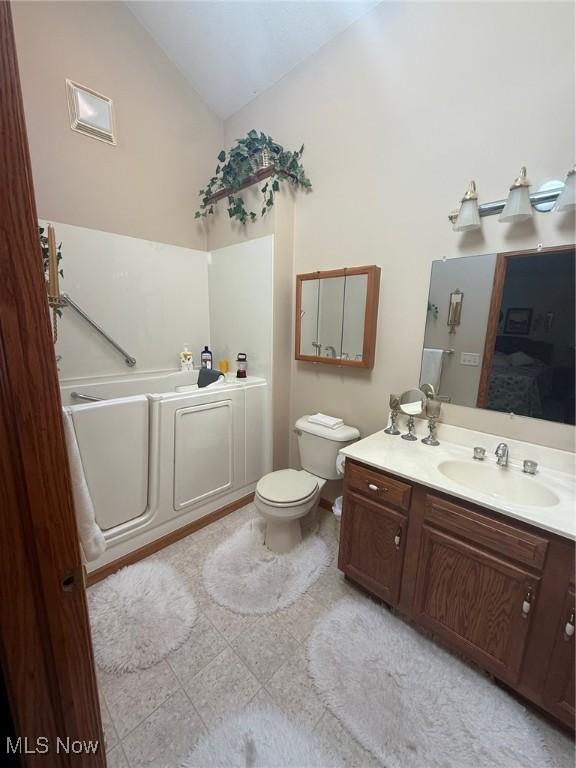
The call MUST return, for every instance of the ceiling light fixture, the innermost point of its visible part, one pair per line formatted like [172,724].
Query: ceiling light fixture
[518,206]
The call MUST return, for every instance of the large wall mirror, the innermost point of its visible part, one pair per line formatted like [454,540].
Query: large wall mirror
[500,332]
[336,315]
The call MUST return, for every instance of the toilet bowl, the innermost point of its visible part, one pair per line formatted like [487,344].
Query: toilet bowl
[283,498]
[287,498]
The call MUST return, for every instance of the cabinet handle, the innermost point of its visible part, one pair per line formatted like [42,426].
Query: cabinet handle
[527,603]
[376,488]
[569,628]
[398,539]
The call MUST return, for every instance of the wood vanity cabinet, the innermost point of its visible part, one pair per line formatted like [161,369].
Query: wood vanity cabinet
[497,591]
[559,689]
[373,532]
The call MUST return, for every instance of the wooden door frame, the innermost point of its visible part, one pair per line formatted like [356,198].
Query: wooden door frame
[494,312]
[45,646]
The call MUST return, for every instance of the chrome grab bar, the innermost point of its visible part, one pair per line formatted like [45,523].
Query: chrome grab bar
[90,398]
[128,359]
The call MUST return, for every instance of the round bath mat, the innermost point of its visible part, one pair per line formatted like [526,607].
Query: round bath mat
[259,738]
[411,703]
[242,574]
[138,615]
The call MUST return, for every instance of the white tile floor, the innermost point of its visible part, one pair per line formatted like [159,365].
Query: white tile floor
[154,717]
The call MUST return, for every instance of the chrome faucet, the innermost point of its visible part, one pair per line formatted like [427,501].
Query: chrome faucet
[502,455]
[332,350]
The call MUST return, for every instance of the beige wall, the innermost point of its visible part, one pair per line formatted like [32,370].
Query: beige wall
[168,139]
[397,114]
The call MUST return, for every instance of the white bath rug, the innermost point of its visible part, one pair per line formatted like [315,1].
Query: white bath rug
[259,738]
[242,574]
[409,702]
[138,615]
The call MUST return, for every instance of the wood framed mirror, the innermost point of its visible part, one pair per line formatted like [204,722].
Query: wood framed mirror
[336,316]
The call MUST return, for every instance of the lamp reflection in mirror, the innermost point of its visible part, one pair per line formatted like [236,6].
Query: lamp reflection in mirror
[567,198]
[518,206]
[468,216]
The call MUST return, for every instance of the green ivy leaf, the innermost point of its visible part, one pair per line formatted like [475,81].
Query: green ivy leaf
[222,156]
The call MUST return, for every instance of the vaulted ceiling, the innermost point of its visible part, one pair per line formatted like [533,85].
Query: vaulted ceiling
[232,51]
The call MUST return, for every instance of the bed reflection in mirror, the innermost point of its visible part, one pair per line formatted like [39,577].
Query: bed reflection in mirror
[513,349]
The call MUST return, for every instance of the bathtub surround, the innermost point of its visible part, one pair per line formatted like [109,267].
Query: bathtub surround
[243,575]
[241,286]
[168,138]
[260,737]
[412,129]
[411,703]
[139,615]
[152,298]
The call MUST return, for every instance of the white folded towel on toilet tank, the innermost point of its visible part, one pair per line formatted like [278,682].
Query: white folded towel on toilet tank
[91,537]
[332,422]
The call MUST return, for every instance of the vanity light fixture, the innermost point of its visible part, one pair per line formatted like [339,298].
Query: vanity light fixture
[551,195]
[518,206]
[468,217]
[567,198]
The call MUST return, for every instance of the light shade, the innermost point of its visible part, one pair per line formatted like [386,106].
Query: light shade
[567,198]
[518,206]
[468,215]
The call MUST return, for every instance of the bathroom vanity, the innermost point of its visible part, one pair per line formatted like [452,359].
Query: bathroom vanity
[485,563]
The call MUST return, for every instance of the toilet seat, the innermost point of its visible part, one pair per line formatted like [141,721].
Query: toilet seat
[286,487]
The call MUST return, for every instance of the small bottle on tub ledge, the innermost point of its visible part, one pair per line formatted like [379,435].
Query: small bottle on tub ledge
[241,365]
[186,360]
[206,358]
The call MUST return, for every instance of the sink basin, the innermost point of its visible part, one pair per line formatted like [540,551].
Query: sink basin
[508,484]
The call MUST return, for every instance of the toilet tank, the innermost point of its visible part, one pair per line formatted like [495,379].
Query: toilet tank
[319,446]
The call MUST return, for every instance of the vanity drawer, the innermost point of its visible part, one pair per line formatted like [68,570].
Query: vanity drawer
[512,542]
[377,486]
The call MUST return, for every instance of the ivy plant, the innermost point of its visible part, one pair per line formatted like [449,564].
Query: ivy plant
[240,164]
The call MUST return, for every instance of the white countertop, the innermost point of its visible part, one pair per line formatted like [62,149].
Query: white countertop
[419,463]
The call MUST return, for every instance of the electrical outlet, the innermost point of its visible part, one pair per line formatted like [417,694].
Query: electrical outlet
[469,358]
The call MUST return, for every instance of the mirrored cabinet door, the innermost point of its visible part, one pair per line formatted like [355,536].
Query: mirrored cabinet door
[309,317]
[354,314]
[336,315]
[330,316]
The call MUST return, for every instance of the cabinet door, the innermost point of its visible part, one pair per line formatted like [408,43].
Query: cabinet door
[372,541]
[559,690]
[481,603]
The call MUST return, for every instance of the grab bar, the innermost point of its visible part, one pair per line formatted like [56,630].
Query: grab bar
[90,398]
[128,359]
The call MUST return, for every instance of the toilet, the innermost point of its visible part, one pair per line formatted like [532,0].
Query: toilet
[286,496]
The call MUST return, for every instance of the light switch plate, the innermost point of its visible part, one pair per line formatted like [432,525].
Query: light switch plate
[469,358]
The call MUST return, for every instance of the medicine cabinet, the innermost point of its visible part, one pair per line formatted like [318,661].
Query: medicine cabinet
[336,316]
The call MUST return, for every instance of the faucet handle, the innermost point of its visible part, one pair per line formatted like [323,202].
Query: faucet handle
[530,467]
[479,453]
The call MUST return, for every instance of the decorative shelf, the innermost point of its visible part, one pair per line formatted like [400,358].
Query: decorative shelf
[263,173]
